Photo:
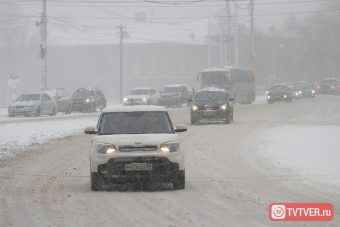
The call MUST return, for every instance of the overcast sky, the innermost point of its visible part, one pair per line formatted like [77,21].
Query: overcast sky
[91,22]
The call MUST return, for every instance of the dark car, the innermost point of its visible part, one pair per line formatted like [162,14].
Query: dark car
[327,86]
[175,95]
[212,104]
[88,100]
[306,89]
[279,92]
[296,92]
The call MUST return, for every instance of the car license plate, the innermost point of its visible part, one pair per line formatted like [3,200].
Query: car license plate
[138,166]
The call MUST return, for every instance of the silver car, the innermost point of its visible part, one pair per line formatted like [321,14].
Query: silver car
[34,104]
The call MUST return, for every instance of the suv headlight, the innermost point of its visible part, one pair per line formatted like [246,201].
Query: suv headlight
[103,148]
[194,108]
[169,147]
[223,107]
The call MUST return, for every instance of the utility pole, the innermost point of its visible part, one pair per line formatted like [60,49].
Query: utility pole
[236,37]
[228,35]
[44,45]
[252,38]
[121,35]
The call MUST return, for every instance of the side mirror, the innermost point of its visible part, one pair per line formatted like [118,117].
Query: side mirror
[90,130]
[180,128]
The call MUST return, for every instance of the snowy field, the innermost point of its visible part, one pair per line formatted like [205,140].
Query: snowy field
[313,151]
[20,135]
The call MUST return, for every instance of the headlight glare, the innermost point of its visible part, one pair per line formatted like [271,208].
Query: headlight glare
[125,99]
[194,108]
[223,107]
[105,148]
[169,147]
[87,100]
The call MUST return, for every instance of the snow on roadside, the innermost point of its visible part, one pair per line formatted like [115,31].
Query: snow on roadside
[21,135]
[309,150]
[260,99]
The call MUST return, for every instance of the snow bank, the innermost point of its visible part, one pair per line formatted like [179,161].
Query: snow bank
[19,136]
[260,99]
[310,150]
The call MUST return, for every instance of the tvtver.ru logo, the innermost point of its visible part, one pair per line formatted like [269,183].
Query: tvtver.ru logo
[278,212]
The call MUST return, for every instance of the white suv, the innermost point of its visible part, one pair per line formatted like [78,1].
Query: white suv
[135,144]
[141,96]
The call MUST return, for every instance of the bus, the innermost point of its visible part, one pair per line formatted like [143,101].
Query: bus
[240,83]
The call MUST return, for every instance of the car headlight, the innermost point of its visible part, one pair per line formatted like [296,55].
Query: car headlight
[268,96]
[125,99]
[296,93]
[87,100]
[313,92]
[105,148]
[169,147]
[267,92]
[285,96]
[194,108]
[300,92]
[144,99]
[223,107]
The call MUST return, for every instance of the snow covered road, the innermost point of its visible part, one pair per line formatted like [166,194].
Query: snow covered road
[232,176]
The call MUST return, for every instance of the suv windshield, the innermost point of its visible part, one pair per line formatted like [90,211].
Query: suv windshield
[210,95]
[139,92]
[172,89]
[30,97]
[82,94]
[278,88]
[141,122]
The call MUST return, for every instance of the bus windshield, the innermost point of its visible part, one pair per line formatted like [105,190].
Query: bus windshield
[216,79]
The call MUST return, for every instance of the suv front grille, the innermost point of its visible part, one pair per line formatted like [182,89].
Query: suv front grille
[129,148]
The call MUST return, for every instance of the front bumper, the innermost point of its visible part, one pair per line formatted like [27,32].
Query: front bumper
[21,111]
[81,106]
[163,170]
[211,114]
[271,98]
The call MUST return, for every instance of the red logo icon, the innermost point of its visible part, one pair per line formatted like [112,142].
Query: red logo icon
[301,212]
